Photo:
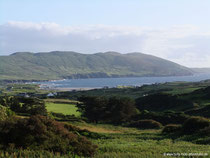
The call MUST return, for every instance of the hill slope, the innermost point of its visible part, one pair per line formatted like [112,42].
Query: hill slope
[60,65]
[201,70]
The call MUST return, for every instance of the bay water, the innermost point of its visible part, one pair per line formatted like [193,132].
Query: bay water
[91,83]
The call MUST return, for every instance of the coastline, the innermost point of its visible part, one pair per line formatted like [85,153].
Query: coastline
[96,83]
[75,88]
[87,77]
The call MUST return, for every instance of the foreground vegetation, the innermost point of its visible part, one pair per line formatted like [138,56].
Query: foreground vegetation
[145,143]
[42,133]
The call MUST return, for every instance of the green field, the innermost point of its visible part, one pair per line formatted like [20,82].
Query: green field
[66,109]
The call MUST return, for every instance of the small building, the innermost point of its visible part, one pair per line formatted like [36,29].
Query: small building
[51,94]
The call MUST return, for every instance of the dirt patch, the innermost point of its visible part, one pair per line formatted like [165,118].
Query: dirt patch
[99,129]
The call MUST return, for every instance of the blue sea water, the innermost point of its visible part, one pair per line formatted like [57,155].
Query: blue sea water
[113,82]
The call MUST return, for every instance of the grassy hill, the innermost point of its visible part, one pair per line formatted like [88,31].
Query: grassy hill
[60,65]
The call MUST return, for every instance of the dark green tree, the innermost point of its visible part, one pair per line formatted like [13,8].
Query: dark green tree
[24,105]
[120,109]
[93,107]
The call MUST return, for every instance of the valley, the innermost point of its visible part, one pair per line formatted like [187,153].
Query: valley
[142,134]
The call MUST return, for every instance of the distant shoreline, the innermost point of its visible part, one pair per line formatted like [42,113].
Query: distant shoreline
[96,83]
[49,80]
[74,88]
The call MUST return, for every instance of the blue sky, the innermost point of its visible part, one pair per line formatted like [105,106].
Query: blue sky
[110,12]
[177,30]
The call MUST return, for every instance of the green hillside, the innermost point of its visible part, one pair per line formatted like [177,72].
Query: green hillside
[60,65]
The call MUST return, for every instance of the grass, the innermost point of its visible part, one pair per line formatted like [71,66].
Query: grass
[66,109]
[134,146]
[183,90]
[30,154]
[101,128]
[67,101]
[133,143]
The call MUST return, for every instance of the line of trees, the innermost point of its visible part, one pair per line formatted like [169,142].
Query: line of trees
[111,110]
[118,110]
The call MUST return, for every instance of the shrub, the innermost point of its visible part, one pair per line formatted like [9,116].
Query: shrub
[5,112]
[205,131]
[195,124]
[62,117]
[146,124]
[41,133]
[205,141]
[163,102]
[20,153]
[24,105]
[163,117]
[171,128]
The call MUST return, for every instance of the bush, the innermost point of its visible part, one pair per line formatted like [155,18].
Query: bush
[24,105]
[62,117]
[26,153]
[171,128]
[163,117]
[146,124]
[5,112]
[41,133]
[195,124]
[160,102]
[205,132]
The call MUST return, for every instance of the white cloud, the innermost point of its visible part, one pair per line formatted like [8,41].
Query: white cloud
[187,45]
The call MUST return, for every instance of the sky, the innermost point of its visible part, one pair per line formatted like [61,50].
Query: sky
[177,30]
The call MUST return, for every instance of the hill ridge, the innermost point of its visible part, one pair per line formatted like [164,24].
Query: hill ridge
[70,64]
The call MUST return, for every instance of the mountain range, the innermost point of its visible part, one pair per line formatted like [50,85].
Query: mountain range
[68,64]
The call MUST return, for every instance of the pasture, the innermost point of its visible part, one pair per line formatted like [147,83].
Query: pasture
[65,107]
